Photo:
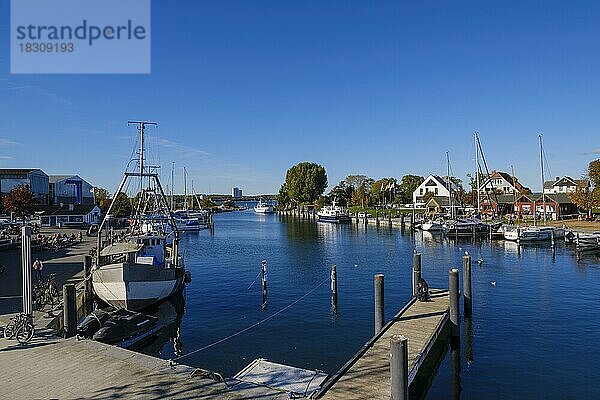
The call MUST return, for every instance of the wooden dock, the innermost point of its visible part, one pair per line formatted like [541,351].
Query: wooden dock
[367,374]
[55,368]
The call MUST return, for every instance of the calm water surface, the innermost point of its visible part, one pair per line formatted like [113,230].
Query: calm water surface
[533,334]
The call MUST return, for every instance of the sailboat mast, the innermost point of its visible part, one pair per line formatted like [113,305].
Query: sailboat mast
[512,171]
[477,172]
[185,188]
[449,185]
[542,175]
[172,184]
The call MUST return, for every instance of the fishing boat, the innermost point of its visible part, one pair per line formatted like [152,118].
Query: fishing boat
[333,213]
[263,208]
[142,266]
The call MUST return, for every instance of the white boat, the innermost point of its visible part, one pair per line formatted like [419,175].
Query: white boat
[588,242]
[144,266]
[533,233]
[432,226]
[189,220]
[263,208]
[334,214]
[467,227]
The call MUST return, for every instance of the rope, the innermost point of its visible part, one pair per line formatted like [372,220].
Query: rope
[254,280]
[251,326]
[10,297]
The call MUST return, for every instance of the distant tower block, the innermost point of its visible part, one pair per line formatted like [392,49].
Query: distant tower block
[236,193]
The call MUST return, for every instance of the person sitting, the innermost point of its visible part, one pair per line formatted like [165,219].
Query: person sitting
[422,290]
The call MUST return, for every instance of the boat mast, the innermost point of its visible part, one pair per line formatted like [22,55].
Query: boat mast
[185,188]
[172,183]
[477,172]
[512,171]
[542,174]
[449,185]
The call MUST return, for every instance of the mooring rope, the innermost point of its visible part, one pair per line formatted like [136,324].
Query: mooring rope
[254,280]
[10,297]
[251,326]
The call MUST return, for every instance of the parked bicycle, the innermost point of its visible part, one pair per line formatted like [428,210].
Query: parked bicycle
[20,327]
[45,293]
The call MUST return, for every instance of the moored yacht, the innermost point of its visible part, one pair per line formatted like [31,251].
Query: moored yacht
[334,214]
[263,208]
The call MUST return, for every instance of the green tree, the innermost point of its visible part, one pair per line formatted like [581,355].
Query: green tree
[589,199]
[19,201]
[207,203]
[342,193]
[408,185]
[594,173]
[383,190]
[102,198]
[305,182]
[283,199]
[229,204]
[355,181]
[122,206]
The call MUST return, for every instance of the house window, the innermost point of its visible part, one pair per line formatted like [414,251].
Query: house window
[421,192]
[436,191]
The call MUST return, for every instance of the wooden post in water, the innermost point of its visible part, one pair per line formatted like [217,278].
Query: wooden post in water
[26,269]
[379,303]
[412,221]
[467,295]
[401,221]
[454,311]
[377,217]
[416,275]
[552,237]
[399,367]
[69,310]
[334,289]
[263,265]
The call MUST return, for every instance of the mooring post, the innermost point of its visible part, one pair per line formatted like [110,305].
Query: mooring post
[416,276]
[379,303]
[69,310]
[467,295]
[377,217]
[552,237]
[412,221]
[334,289]
[26,269]
[399,367]
[263,265]
[402,220]
[454,311]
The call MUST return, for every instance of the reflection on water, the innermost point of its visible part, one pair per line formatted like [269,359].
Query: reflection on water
[169,313]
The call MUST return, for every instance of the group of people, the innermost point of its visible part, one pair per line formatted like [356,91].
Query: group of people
[58,240]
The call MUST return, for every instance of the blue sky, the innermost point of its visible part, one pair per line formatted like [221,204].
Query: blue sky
[242,90]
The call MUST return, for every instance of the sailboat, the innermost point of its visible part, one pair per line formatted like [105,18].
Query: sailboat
[143,266]
[536,233]
[263,207]
[186,219]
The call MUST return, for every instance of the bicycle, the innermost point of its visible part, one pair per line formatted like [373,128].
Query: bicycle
[20,327]
[44,292]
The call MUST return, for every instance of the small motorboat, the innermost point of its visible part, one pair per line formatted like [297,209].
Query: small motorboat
[92,323]
[123,324]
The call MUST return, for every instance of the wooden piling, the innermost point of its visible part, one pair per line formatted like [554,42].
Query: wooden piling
[334,288]
[399,367]
[264,282]
[454,311]
[379,302]
[69,310]
[467,295]
[416,276]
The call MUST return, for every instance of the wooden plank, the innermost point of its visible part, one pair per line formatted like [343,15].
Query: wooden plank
[368,375]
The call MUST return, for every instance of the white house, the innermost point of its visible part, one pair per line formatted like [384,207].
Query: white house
[433,184]
[70,189]
[566,184]
[501,182]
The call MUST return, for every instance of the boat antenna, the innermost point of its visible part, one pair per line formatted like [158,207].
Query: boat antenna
[141,125]
[542,175]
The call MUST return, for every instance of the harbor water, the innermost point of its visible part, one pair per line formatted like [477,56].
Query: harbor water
[533,333]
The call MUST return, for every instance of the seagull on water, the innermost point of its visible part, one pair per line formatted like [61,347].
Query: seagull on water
[493,283]
[480,261]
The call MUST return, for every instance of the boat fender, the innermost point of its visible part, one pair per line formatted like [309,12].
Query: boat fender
[187,278]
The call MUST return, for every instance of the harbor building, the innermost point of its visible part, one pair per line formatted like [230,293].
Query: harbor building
[36,179]
[436,185]
[70,189]
[501,183]
[68,215]
[236,193]
[566,184]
